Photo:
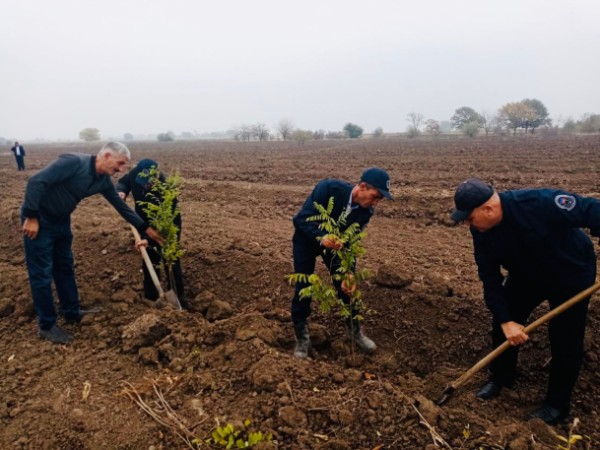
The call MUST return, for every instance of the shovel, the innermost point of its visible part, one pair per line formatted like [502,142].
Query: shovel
[170,296]
[505,345]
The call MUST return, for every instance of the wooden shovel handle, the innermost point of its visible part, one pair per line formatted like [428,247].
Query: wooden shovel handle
[148,262]
[528,329]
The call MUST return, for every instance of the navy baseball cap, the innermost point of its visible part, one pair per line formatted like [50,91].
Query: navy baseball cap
[471,194]
[143,168]
[379,179]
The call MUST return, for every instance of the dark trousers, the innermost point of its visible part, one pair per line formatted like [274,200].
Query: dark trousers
[49,257]
[150,291]
[305,256]
[20,162]
[566,332]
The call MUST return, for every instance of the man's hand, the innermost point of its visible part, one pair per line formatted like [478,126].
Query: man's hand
[515,333]
[122,195]
[349,285]
[31,227]
[155,235]
[332,242]
[141,243]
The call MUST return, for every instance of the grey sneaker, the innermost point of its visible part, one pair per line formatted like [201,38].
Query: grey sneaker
[56,335]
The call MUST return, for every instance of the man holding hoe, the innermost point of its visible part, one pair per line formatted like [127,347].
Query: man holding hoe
[535,235]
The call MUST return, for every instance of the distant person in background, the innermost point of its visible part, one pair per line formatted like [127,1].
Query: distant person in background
[137,182]
[19,152]
[51,196]
[358,203]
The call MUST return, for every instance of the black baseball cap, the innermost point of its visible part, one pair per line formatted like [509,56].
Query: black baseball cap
[471,194]
[379,179]
[143,171]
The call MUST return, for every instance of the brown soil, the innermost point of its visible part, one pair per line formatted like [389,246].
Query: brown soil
[229,358]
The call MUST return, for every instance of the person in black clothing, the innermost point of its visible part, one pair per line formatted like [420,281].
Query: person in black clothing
[50,197]
[535,236]
[358,202]
[137,182]
[19,152]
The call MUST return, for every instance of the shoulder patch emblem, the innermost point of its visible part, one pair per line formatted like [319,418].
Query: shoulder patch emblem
[567,202]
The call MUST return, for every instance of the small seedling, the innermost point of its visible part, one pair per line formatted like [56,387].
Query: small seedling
[229,437]
[323,291]
[162,211]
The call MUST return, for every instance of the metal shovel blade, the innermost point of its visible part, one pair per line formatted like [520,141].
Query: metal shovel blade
[172,299]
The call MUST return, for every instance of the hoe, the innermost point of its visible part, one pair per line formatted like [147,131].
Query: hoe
[503,347]
[170,296]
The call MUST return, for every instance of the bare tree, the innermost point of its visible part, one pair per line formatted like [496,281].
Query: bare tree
[415,120]
[335,135]
[489,121]
[432,127]
[243,132]
[260,131]
[285,127]
[319,134]
[378,132]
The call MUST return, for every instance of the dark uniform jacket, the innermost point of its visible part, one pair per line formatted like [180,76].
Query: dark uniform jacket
[539,242]
[127,185]
[340,191]
[55,191]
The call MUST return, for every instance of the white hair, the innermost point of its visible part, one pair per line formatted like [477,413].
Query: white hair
[115,148]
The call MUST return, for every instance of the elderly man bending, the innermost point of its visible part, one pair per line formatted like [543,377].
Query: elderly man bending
[50,197]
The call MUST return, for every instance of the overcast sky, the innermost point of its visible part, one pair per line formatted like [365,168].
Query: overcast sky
[149,66]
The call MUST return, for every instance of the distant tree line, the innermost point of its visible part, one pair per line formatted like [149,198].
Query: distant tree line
[525,116]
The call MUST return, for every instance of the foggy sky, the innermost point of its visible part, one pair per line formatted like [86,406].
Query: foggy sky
[149,66]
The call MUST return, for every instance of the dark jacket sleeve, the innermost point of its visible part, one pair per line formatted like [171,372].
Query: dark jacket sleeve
[320,195]
[488,268]
[123,209]
[59,170]
[124,184]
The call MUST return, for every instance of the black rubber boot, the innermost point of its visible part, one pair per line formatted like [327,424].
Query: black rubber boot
[363,343]
[302,340]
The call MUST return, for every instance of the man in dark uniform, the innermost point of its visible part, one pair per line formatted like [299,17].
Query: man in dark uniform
[358,202]
[137,182]
[51,196]
[535,235]
[19,152]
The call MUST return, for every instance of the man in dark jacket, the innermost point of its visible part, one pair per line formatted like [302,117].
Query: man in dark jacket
[358,203]
[50,197]
[19,152]
[137,182]
[535,235]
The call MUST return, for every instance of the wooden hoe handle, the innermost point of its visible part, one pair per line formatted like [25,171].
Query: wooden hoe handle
[148,262]
[505,345]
